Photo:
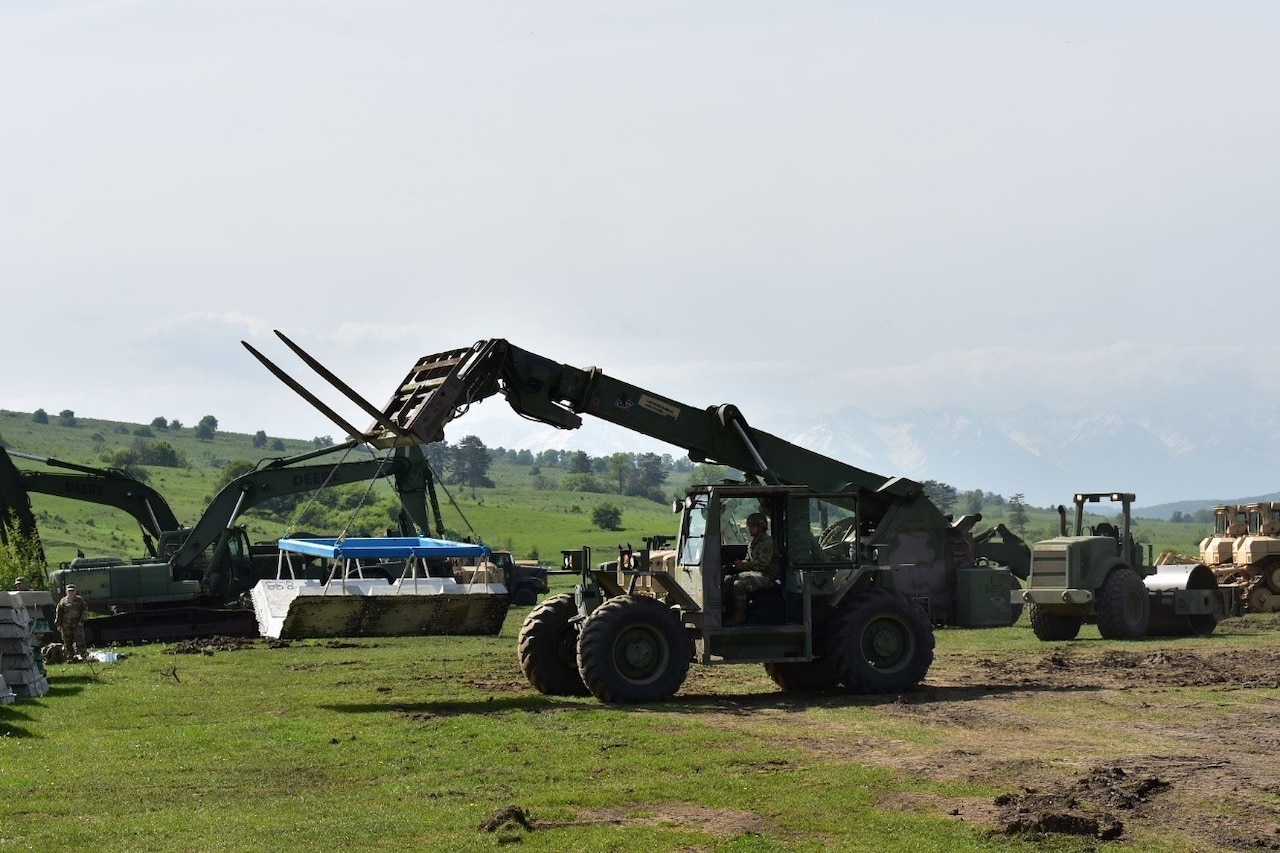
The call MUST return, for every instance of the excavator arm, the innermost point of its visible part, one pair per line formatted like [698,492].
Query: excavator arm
[106,486]
[407,466]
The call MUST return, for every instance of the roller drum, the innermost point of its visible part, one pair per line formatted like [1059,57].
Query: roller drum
[1173,592]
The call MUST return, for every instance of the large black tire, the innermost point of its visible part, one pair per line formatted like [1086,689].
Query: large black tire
[633,649]
[524,596]
[1123,607]
[548,648]
[880,642]
[804,676]
[1050,626]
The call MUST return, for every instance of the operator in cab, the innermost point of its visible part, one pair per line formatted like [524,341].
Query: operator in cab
[758,570]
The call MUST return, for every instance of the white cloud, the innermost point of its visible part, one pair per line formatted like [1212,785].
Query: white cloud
[795,208]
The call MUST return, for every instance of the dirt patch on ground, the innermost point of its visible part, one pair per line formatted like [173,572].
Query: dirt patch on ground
[510,821]
[1101,743]
[211,645]
[1169,741]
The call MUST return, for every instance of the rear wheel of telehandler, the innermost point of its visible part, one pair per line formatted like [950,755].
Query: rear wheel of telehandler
[633,649]
[548,648]
[1123,607]
[1050,626]
[881,642]
[804,676]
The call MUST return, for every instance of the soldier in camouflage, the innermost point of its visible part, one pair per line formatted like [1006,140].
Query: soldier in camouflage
[70,616]
[757,571]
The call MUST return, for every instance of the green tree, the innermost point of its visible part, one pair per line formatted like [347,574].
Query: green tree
[207,428]
[551,458]
[620,471]
[438,455]
[943,495]
[607,517]
[231,471]
[21,555]
[260,438]
[162,454]
[649,476]
[321,441]
[579,463]
[580,483]
[471,463]
[703,474]
[278,445]
[160,423]
[1018,514]
[67,418]
[40,416]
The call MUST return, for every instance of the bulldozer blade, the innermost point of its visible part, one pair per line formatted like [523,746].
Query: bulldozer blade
[307,609]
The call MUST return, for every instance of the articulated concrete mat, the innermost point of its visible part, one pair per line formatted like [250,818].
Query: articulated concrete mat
[301,609]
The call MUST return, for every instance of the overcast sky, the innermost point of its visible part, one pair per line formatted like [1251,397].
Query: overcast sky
[795,207]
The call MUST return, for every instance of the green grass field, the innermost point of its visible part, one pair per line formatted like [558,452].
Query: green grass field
[417,743]
[414,743]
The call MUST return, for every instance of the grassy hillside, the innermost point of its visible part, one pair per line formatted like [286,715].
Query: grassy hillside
[515,515]
[520,513]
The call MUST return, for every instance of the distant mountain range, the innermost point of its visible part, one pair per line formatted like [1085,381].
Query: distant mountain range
[1173,460]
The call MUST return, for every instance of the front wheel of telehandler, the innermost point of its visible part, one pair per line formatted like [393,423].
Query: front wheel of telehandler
[881,642]
[633,649]
[1123,607]
[548,648]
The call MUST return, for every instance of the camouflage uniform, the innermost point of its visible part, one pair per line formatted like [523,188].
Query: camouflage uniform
[70,615]
[759,570]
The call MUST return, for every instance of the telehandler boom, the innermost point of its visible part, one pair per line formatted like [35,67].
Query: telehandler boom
[868,563]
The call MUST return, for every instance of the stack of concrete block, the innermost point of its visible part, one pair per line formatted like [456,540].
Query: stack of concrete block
[20,670]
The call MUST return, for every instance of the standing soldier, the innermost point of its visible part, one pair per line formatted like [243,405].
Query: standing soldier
[70,615]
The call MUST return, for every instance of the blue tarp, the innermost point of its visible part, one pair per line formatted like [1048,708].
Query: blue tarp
[382,547]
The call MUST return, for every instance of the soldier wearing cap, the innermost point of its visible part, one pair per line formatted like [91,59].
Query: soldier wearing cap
[69,616]
[758,571]
[20,584]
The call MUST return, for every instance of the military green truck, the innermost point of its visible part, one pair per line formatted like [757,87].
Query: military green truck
[525,580]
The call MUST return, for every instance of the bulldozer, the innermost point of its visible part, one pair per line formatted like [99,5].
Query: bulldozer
[1255,558]
[1099,574]
[1229,524]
